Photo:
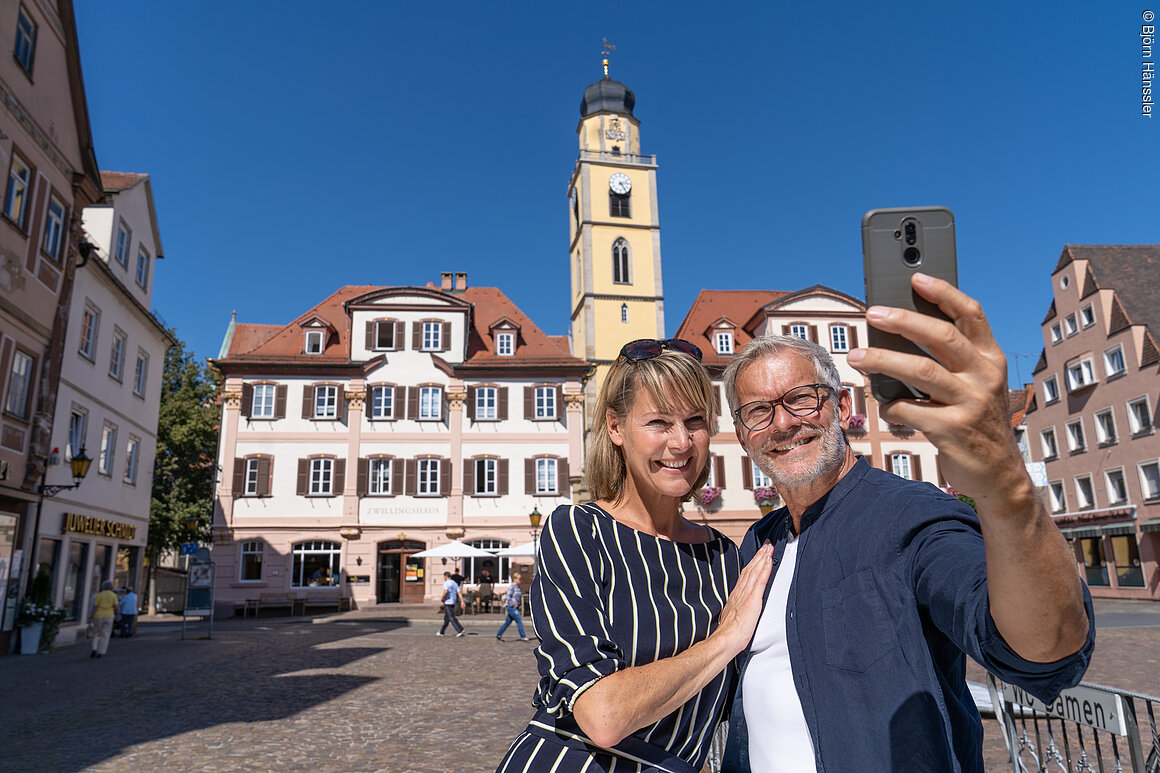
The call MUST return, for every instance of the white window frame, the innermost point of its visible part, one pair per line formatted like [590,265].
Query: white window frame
[1070,326]
[486,477]
[54,228]
[505,344]
[624,313]
[108,453]
[1117,495]
[1087,316]
[250,549]
[321,477]
[141,276]
[1085,497]
[141,374]
[900,465]
[544,403]
[18,190]
[26,33]
[380,326]
[1140,416]
[1058,494]
[800,331]
[1048,443]
[382,402]
[313,342]
[250,484]
[1056,333]
[621,262]
[326,401]
[1080,375]
[264,400]
[759,477]
[1149,490]
[19,393]
[379,477]
[78,425]
[840,338]
[486,403]
[1106,427]
[1076,439]
[132,459]
[117,355]
[723,342]
[547,476]
[432,340]
[90,330]
[124,242]
[427,476]
[1050,390]
[1111,356]
[430,403]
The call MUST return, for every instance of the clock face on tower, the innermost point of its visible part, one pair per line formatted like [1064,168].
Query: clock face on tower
[619,183]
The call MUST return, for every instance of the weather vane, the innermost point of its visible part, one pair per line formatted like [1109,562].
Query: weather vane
[605,50]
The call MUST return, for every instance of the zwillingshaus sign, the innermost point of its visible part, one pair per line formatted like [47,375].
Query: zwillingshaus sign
[87,524]
[1085,705]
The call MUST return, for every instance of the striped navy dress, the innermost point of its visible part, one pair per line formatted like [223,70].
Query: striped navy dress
[607,597]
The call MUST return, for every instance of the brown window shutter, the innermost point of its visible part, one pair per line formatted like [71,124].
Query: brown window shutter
[529,403]
[280,401]
[942,482]
[501,403]
[469,478]
[814,333]
[397,466]
[308,401]
[445,339]
[502,474]
[400,342]
[364,469]
[562,477]
[339,477]
[265,469]
[719,470]
[444,477]
[785,330]
[340,404]
[746,473]
[529,476]
[371,335]
[413,403]
[303,477]
[471,404]
[716,400]
[560,412]
[915,467]
[411,469]
[247,400]
[860,399]
[852,336]
[239,477]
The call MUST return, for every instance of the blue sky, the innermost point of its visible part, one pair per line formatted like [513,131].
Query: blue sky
[295,149]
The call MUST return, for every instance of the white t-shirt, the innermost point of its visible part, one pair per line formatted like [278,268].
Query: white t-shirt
[779,739]
[452,589]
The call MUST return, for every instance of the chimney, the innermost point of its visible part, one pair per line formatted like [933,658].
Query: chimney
[445,281]
[460,281]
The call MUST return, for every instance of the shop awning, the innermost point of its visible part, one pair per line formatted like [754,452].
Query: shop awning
[1081,533]
[1118,529]
[1102,530]
[1152,525]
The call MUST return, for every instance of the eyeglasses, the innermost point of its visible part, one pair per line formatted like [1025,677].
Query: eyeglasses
[647,348]
[799,401]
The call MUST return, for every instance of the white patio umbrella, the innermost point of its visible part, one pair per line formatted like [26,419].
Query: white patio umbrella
[454,549]
[528,549]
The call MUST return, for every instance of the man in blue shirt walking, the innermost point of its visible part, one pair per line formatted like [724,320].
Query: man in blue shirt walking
[881,585]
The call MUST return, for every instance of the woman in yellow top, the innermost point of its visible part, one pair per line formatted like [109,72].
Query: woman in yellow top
[106,611]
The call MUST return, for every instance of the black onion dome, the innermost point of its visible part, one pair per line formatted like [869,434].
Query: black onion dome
[607,96]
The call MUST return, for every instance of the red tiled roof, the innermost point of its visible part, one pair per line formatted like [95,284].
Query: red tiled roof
[1018,401]
[1132,270]
[738,306]
[114,182]
[534,347]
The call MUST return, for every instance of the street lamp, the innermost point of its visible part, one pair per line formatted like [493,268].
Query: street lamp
[534,519]
[80,464]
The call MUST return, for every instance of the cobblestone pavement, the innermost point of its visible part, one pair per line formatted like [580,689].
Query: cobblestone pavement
[363,692]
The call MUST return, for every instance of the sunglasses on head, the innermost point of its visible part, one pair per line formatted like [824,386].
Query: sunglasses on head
[647,348]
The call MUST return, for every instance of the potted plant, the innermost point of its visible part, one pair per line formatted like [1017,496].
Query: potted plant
[857,423]
[708,496]
[39,621]
[765,497]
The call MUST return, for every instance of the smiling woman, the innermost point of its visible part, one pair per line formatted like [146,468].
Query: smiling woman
[629,597]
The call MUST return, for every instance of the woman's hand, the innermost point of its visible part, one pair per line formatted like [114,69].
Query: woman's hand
[739,618]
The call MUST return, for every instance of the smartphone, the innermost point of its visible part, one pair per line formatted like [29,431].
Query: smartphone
[895,244]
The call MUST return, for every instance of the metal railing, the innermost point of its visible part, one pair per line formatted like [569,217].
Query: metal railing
[1088,728]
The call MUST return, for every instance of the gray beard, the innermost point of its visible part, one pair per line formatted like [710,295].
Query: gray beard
[832,457]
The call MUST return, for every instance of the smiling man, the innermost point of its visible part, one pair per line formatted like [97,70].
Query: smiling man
[882,586]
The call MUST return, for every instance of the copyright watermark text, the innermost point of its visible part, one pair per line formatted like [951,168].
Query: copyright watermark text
[1147,63]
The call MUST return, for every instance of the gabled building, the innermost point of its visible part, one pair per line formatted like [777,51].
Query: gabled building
[721,322]
[381,422]
[1093,413]
[46,151]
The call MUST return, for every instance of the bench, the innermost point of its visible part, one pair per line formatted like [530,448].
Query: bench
[270,600]
[331,597]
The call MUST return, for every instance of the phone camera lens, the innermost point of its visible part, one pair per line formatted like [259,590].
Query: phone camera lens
[911,233]
[898,234]
[911,256]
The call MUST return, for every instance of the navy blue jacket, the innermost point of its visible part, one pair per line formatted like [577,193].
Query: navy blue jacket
[889,592]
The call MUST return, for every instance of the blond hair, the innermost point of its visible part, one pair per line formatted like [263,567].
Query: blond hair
[672,379]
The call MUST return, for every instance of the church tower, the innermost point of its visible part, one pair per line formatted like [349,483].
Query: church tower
[615,234]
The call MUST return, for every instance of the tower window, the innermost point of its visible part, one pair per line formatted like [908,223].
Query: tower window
[619,205]
[620,262]
[624,312]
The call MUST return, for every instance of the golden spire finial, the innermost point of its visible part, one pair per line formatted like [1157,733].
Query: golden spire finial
[605,50]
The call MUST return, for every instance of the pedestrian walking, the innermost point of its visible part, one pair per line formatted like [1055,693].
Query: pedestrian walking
[512,600]
[451,598]
[105,612]
[128,612]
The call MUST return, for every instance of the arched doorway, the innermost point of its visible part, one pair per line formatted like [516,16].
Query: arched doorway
[399,577]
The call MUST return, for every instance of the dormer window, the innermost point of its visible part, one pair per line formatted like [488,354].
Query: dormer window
[505,344]
[313,342]
[723,342]
[432,336]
